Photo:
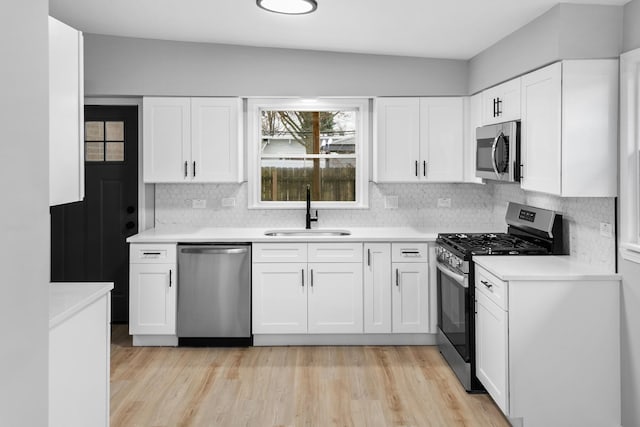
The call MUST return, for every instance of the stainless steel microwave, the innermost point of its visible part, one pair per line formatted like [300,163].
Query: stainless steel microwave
[498,152]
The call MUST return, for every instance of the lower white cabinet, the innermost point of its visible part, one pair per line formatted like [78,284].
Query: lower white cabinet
[152,290]
[548,350]
[491,349]
[335,298]
[321,296]
[377,288]
[279,294]
[410,297]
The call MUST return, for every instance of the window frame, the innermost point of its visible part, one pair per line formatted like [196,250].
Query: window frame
[630,156]
[254,108]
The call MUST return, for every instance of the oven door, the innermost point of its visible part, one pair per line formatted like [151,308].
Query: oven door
[454,309]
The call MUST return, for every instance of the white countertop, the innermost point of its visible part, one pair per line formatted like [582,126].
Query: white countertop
[225,234]
[542,267]
[66,299]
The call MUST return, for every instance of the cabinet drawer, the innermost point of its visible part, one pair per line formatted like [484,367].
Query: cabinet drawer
[152,253]
[494,288]
[335,252]
[409,252]
[279,252]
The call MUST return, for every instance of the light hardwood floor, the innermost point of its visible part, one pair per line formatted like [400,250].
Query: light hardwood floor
[289,386]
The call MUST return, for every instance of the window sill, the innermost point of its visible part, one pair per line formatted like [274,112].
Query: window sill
[630,252]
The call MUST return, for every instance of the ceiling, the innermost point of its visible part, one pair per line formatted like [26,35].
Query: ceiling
[457,29]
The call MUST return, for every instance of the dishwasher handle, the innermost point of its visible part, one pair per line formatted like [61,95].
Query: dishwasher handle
[215,251]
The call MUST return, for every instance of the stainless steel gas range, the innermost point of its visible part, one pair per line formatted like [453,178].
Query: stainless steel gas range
[531,231]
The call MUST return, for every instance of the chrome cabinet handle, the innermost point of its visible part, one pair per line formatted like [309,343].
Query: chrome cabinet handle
[397,277]
[424,168]
[170,277]
[303,277]
[312,277]
[416,168]
[487,284]
[368,257]
[194,169]
[185,169]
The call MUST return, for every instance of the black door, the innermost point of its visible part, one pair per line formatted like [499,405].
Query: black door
[88,238]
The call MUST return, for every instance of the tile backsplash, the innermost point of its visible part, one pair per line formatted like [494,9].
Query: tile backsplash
[473,208]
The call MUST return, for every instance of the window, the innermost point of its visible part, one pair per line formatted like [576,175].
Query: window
[321,144]
[630,155]
[104,141]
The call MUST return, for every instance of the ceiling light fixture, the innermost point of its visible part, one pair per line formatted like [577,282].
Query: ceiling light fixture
[288,7]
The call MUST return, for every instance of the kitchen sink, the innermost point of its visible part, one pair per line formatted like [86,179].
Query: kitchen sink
[307,233]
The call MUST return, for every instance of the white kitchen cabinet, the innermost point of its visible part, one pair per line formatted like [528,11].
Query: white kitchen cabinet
[547,349]
[410,298]
[152,290]
[569,129]
[192,140]
[320,293]
[279,298]
[418,140]
[79,354]
[501,103]
[377,288]
[473,120]
[66,114]
[410,289]
[335,298]
[491,349]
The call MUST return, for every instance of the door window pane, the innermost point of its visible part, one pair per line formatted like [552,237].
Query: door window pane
[94,152]
[115,152]
[115,131]
[94,131]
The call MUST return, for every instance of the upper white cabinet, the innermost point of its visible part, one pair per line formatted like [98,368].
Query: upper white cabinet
[192,139]
[419,140]
[66,114]
[501,103]
[569,129]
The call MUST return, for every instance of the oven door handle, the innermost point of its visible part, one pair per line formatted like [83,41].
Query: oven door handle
[459,278]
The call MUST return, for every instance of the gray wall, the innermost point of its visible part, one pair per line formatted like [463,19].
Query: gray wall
[24,217]
[567,31]
[116,66]
[630,314]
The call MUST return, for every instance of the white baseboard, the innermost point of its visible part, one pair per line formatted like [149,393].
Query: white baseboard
[155,341]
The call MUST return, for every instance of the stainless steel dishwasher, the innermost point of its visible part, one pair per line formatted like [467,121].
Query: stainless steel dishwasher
[214,294]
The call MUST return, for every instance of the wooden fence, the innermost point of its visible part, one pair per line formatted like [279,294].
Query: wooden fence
[290,184]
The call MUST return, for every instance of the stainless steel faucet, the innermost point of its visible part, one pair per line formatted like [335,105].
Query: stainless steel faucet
[309,217]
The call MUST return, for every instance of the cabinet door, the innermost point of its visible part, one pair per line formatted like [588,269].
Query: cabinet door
[335,298]
[492,350]
[540,130]
[441,139]
[66,111]
[473,121]
[377,288]
[397,140]
[216,139]
[410,297]
[279,298]
[502,103]
[167,139]
[152,301]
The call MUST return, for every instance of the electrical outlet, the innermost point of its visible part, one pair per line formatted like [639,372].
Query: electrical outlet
[444,202]
[606,229]
[199,203]
[391,202]
[229,202]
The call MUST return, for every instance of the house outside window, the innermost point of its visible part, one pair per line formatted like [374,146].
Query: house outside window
[294,144]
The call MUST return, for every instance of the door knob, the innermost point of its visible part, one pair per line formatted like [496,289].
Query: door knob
[130,209]
[130,225]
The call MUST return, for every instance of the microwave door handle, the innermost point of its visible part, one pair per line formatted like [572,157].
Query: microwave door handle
[494,163]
